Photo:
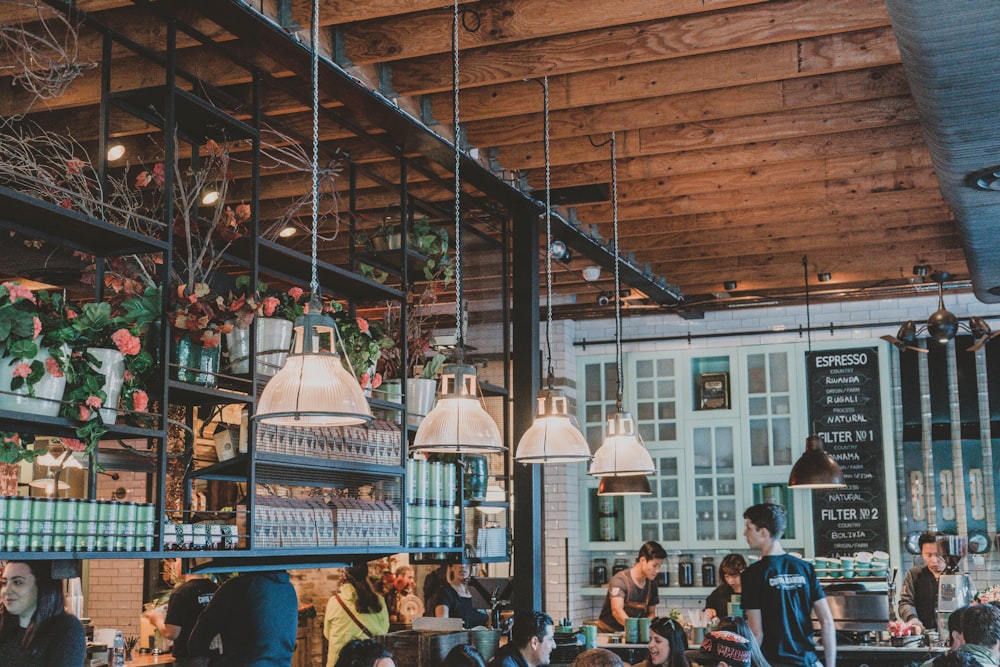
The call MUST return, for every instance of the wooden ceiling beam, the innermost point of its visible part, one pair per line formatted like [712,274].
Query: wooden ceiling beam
[516,21]
[655,41]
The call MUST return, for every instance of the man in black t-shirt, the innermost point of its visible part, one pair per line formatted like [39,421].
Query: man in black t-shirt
[779,592]
[187,601]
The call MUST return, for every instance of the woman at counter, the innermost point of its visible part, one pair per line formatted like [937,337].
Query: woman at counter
[667,643]
[35,630]
[453,600]
[730,569]
[356,612]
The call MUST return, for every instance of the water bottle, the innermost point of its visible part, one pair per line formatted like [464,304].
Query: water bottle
[119,651]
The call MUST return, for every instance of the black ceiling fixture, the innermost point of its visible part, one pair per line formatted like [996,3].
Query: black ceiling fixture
[941,326]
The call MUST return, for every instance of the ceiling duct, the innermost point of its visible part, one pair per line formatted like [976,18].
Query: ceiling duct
[949,52]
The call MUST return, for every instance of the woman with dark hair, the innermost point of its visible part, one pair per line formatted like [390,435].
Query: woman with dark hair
[667,643]
[356,612]
[453,600]
[35,630]
[730,569]
[464,655]
[364,653]
[738,625]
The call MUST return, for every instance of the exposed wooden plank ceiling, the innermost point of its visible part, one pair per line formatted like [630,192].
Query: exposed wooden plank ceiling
[749,133]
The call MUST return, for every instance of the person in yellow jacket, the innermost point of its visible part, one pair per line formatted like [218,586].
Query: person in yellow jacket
[356,612]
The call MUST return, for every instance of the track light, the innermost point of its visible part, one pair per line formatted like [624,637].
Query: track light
[591,273]
[559,251]
[729,285]
[824,277]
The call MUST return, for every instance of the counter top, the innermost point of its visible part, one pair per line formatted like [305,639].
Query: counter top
[145,659]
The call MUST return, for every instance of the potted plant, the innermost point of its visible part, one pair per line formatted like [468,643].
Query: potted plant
[364,344]
[271,312]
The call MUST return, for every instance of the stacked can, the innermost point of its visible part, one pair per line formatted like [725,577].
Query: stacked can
[431,498]
[73,524]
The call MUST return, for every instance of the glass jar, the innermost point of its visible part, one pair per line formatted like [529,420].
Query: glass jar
[599,572]
[620,565]
[707,571]
[685,571]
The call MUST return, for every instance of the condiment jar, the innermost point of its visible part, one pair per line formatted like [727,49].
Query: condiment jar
[620,565]
[685,571]
[707,571]
[599,572]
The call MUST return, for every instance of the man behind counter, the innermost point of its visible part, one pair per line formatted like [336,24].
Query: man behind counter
[632,593]
[919,594]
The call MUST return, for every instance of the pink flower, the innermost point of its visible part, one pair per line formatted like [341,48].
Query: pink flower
[73,444]
[295,293]
[143,179]
[22,370]
[74,166]
[140,400]
[66,203]
[377,381]
[127,375]
[159,174]
[363,325]
[14,438]
[243,212]
[210,339]
[94,402]
[19,292]
[36,326]
[53,368]
[84,413]
[126,343]
[365,379]
[269,305]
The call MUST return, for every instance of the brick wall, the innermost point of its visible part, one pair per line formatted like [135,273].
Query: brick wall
[114,595]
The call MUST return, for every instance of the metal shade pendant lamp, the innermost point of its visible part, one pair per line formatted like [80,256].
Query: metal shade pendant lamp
[552,437]
[312,388]
[627,485]
[622,453]
[458,424]
[815,469]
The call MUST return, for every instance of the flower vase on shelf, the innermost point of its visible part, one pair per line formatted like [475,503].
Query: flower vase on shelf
[196,364]
[113,369]
[274,339]
[48,390]
[421,395]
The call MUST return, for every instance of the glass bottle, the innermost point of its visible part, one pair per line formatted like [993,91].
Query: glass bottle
[599,572]
[685,571]
[707,571]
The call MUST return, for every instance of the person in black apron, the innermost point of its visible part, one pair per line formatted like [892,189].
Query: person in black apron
[632,593]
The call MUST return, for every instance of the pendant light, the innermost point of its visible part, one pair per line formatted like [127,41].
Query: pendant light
[622,453]
[458,424]
[553,437]
[815,469]
[312,388]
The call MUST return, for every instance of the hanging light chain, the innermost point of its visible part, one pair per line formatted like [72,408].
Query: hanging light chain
[548,234]
[809,331]
[459,329]
[618,302]
[314,277]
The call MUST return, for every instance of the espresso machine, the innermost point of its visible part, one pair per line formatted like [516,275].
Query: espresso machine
[955,588]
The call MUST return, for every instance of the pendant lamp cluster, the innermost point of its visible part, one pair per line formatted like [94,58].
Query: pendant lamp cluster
[458,424]
[815,469]
[622,462]
[312,388]
[553,437]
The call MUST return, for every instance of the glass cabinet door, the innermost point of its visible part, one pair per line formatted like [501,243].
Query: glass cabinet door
[660,514]
[713,449]
[769,402]
[655,400]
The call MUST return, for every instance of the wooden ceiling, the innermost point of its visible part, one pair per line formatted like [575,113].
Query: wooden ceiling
[749,134]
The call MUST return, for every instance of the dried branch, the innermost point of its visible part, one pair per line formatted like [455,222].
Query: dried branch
[46,54]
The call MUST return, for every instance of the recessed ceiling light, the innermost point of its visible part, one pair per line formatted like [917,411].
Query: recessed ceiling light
[116,152]
[210,197]
[287,231]
[729,285]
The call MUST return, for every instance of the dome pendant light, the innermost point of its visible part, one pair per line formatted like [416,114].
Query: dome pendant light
[553,437]
[458,424]
[815,469]
[313,389]
[626,485]
[622,453]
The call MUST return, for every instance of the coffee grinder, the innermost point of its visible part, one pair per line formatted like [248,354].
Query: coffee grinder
[954,588]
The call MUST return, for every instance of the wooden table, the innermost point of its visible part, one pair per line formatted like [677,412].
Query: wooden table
[144,659]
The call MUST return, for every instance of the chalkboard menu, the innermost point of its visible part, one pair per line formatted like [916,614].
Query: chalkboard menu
[845,410]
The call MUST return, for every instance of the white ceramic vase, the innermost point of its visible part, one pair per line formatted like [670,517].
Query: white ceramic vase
[113,369]
[421,394]
[48,391]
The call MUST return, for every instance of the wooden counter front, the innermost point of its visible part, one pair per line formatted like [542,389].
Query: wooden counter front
[145,659]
